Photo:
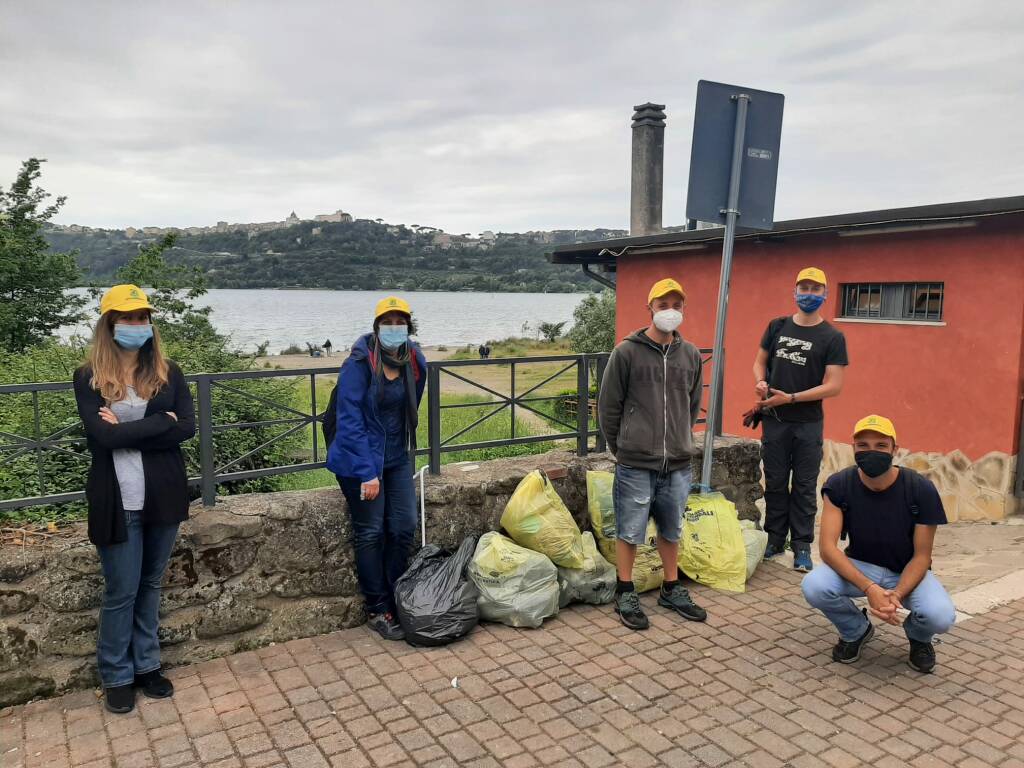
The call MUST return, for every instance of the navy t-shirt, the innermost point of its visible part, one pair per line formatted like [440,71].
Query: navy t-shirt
[392,409]
[880,523]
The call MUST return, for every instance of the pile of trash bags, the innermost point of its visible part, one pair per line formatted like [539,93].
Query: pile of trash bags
[715,548]
[541,562]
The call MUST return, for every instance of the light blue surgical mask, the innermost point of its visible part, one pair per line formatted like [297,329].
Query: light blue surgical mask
[809,302]
[132,336]
[393,336]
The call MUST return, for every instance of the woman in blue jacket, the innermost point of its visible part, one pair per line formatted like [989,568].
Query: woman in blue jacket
[379,391]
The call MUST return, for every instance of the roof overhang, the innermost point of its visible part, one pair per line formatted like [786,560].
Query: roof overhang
[893,221]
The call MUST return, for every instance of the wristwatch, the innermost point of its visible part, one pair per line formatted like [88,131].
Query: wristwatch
[792,398]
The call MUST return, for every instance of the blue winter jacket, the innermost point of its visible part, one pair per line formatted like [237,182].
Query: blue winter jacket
[358,447]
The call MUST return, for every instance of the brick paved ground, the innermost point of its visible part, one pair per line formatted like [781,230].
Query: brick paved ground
[754,686]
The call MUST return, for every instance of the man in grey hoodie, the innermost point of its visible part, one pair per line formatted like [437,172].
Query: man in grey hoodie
[649,401]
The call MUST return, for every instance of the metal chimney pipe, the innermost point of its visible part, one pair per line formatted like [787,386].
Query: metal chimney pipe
[648,169]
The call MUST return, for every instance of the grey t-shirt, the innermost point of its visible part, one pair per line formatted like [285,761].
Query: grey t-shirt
[128,461]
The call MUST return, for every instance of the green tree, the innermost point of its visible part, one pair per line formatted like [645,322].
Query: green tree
[551,331]
[593,327]
[33,281]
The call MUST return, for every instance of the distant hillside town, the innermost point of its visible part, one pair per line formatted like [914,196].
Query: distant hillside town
[436,236]
[338,251]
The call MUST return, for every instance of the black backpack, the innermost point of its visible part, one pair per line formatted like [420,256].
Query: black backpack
[329,418]
[911,489]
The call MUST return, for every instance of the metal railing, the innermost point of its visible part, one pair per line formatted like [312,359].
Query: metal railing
[66,438]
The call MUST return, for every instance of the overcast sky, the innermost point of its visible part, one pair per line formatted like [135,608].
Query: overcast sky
[465,116]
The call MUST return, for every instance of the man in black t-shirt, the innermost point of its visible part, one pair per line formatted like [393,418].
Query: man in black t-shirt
[799,363]
[891,515]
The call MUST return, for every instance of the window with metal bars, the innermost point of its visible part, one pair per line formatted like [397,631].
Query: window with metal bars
[893,301]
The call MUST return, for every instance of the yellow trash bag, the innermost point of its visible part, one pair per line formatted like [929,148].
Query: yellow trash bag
[711,550]
[600,504]
[536,518]
[648,572]
[517,586]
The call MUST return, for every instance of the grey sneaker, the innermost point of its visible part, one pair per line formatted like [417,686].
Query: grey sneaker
[627,605]
[386,625]
[679,600]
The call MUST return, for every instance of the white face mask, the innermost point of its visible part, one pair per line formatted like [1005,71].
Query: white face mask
[667,320]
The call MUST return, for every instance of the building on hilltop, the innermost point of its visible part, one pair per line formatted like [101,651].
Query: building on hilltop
[339,216]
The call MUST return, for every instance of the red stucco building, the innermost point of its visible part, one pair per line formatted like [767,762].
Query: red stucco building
[930,298]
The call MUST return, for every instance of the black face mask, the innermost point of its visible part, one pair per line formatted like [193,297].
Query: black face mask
[873,463]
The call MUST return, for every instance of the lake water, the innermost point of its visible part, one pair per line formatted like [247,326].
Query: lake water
[252,316]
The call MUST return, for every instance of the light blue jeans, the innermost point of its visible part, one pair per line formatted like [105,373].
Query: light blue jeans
[132,571]
[640,494]
[931,610]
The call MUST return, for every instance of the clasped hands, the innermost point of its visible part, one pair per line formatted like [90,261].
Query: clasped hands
[885,604]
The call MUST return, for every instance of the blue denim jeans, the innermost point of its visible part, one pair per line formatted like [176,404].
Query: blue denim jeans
[382,533]
[639,494]
[931,609]
[127,645]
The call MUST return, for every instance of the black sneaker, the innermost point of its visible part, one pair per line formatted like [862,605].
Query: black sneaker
[386,625]
[154,685]
[922,656]
[679,600]
[848,652]
[627,605]
[120,699]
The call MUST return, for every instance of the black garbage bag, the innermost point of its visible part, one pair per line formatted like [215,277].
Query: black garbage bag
[436,600]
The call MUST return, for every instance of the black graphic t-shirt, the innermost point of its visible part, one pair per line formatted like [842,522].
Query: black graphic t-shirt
[880,524]
[797,360]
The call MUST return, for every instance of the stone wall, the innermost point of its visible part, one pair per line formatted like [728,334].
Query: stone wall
[978,490]
[263,568]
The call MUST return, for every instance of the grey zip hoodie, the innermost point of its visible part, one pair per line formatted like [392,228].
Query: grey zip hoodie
[649,402]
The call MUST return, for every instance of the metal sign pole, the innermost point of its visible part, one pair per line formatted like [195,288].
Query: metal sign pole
[731,214]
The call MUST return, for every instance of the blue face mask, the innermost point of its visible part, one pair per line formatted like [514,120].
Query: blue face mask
[132,336]
[393,336]
[809,302]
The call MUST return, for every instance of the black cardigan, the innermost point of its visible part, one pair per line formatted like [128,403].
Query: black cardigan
[157,435]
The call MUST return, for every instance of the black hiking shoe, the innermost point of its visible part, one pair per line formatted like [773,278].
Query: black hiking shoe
[154,685]
[120,699]
[922,656]
[627,605]
[386,625]
[848,652]
[679,600]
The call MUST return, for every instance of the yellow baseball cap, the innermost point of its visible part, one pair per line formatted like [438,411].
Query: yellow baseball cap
[812,273]
[124,298]
[875,423]
[663,287]
[392,304]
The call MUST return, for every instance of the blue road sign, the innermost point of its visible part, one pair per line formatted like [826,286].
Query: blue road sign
[711,155]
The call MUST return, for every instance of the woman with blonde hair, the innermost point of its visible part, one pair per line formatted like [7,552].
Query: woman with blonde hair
[137,410]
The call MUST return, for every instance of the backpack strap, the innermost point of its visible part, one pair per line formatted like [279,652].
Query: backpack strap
[849,475]
[910,490]
[774,330]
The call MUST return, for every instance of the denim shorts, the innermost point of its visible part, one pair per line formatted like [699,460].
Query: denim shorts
[640,494]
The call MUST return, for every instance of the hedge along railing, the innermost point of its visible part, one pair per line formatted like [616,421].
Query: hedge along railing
[69,440]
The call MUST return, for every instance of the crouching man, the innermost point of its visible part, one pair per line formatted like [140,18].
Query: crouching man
[890,515]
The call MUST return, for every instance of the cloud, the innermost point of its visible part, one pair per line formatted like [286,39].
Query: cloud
[474,116]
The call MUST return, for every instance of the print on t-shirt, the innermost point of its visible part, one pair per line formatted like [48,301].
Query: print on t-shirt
[790,349]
